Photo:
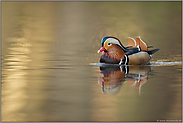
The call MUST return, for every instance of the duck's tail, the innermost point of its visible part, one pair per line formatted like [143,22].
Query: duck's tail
[150,52]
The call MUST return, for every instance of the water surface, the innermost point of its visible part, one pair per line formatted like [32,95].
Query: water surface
[50,69]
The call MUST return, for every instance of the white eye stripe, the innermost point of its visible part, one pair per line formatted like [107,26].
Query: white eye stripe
[113,41]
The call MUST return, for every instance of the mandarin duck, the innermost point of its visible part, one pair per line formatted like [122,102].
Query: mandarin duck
[135,53]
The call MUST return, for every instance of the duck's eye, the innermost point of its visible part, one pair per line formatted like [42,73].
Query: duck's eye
[109,44]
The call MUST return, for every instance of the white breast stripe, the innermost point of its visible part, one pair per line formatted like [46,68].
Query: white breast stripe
[126,71]
[126,59]
[120,62]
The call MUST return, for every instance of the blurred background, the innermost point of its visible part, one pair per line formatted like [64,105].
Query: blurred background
[47,49]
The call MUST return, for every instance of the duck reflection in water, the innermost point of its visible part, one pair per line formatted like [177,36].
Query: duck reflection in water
[114,76]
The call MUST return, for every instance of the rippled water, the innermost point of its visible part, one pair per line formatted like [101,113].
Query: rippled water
[50,68]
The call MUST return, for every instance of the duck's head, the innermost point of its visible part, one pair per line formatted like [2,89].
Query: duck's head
[107,43]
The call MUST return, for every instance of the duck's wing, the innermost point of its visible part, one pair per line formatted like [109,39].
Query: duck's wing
[131,42]
[142,45]
[132,51]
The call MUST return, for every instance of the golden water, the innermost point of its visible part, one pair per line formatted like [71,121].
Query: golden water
[47,49]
